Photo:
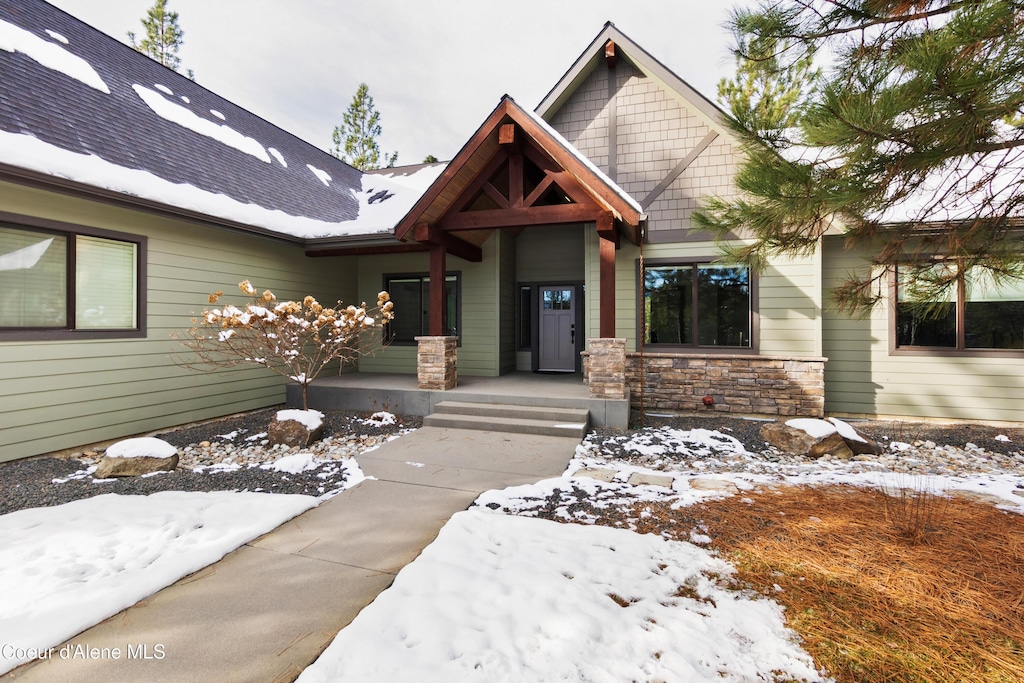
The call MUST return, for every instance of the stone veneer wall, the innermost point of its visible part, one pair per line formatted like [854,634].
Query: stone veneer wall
[756,385]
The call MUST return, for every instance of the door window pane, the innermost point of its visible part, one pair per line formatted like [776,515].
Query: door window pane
[33,279]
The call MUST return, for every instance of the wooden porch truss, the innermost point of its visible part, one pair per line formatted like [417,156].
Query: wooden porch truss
[514,173]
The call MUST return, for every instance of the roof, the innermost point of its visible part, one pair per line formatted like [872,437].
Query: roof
[484,146]
[594,55]
[82,110]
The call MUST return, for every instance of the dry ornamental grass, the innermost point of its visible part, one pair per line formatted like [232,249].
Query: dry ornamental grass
[872,602]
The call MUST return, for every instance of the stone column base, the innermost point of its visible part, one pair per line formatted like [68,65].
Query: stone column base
[607,367]
[436,363]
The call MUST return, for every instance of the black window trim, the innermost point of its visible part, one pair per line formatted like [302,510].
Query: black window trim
[755,319]
[961,350]
[69,333]
[386,277]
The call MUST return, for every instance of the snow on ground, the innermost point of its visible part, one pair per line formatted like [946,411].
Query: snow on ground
[66,568]
[504,598]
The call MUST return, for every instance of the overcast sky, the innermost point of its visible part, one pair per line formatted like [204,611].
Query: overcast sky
[435,69]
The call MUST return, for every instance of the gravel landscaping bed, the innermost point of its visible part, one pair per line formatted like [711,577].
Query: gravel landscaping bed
[234,457]
[230,454]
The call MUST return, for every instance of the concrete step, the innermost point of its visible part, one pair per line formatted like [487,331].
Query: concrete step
[517,425]
[505,410]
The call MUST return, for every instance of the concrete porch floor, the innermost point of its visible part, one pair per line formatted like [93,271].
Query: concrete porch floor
[398,393]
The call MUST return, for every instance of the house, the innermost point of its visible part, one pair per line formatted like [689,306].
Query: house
[128,193]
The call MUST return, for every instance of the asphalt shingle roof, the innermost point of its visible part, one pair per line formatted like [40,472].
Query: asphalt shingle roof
[122,129]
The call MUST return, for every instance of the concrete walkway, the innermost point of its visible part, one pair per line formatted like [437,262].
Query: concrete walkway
[268,609]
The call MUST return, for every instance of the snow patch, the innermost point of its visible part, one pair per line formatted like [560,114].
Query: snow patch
[52,56]
[66,568]
[311,419]
[321,174]
[218,114]
[175,113]
[506,598]
[845,430]
[163,88]
[295,463]
[817,429]
[277,155]
[56,36]
[140,447]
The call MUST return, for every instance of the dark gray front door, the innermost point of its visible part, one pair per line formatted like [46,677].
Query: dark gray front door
[557,329]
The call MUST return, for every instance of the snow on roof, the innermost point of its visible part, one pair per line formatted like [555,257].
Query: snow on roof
[142,130]
[386,196]
[175,113]
[375,216]
[584,160]
[50,55]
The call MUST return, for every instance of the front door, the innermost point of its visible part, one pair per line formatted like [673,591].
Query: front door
[556,323]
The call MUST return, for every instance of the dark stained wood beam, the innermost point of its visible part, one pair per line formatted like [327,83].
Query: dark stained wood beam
[432,236]
[438,309]
[493,193]
[609,54]
[510,218]
[400,248]
[565,180]
[515,180]
[607,274]
[539,190]
[484,177]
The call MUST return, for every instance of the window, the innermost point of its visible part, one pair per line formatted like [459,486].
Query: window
[978,314]
[57,284]
[697,304]
[411,296]
[524,318]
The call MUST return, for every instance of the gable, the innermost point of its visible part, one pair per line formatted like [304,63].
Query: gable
[654,135]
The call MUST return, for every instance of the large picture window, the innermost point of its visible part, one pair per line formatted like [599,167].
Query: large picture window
[64,283]
[979,313]
[411,296]
[697,304]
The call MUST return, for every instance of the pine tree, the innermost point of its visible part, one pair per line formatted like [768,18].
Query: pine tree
[904,144]
[430,159]
[355,140]
[766,92]
[163,36]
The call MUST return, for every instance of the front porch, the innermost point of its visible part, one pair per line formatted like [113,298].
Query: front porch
[400,393]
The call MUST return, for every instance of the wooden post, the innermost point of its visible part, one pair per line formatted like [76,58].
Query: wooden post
[605,232]
[438,307]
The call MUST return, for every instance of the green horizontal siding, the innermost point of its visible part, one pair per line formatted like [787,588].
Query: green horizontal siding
[863,377]
[65,394]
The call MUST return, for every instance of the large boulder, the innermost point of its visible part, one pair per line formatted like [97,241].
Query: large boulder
[296,428]
[818,438]
[787,439]
[134,457]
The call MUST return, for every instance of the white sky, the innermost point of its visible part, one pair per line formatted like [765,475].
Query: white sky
[435,70]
